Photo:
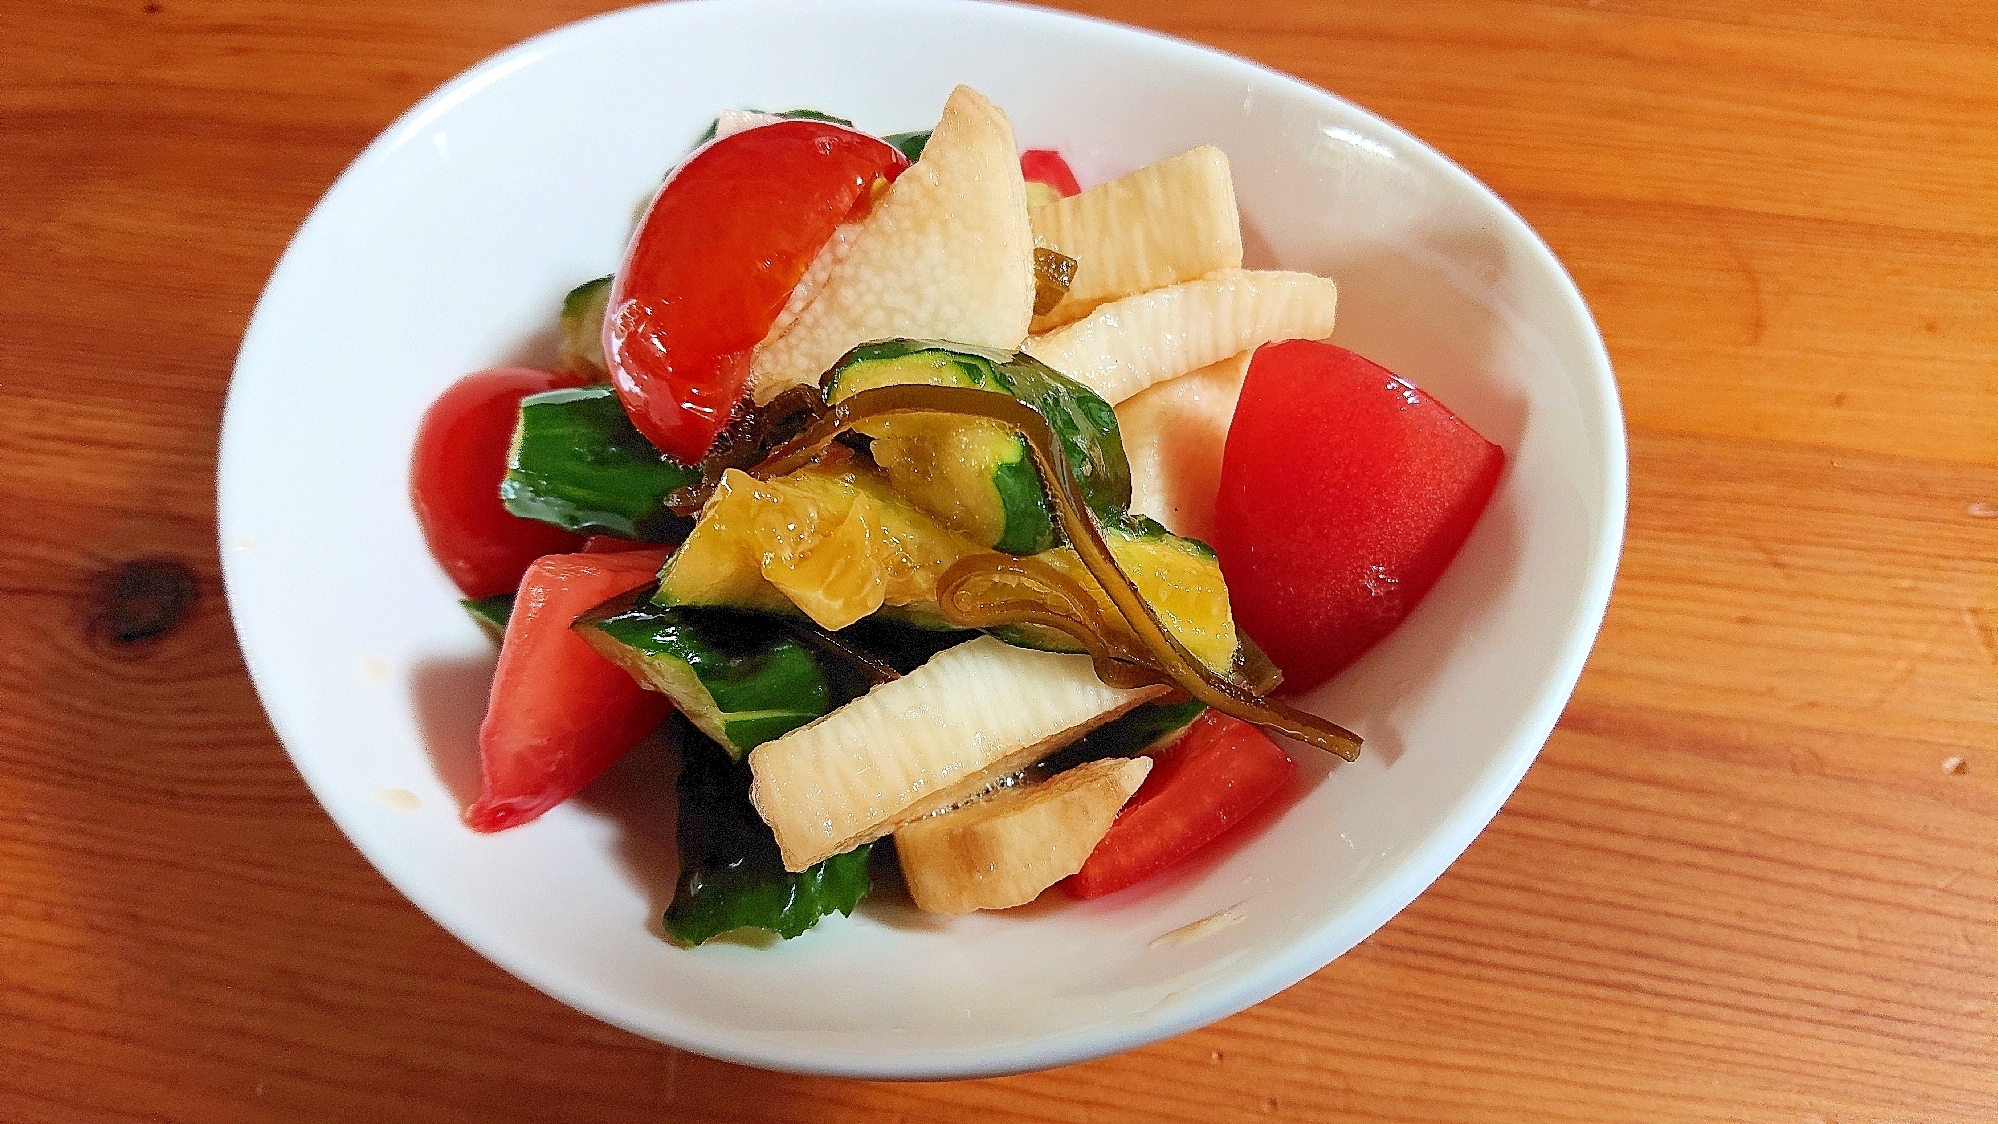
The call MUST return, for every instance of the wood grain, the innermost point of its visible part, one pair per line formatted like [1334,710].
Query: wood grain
[1739,883]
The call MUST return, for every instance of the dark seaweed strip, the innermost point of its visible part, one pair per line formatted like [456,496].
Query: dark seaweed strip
[1171,658]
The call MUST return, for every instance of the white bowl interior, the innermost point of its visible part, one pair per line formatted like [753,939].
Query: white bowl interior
[447,246]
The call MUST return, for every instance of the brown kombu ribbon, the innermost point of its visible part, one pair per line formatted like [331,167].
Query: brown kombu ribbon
[1061,603]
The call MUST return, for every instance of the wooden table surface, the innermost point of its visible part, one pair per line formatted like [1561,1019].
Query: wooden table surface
[1752,877]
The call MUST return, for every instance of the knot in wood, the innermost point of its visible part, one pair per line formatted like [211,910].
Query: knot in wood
[143,600]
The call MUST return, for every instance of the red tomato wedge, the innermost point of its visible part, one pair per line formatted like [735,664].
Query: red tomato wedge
[560,713]
[454,479]
[1045,165]
[1218,772]
[1344,493]
[717,255]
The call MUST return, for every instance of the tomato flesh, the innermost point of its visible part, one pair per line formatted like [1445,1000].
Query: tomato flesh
[1045,165]
[1208,781]
[560,713]
[714,260]
[1344,493]
[454,479]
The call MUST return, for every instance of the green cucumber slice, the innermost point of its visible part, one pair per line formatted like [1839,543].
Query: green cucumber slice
[1086,426]
[718,565]
[490,613]
[973,475]
[583,326]
[742,678]
[1147,728]
[579,463]
[732,875]
[1180,577]
[909,144]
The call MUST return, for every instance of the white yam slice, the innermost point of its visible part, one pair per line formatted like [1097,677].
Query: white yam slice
[1130,344]
[1169,221]
[1174,434]
[816,275]
[946,253]
[931,739]
[1002,850]
[733,121]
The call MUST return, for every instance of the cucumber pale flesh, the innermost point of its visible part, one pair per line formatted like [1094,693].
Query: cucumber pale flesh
[975,475]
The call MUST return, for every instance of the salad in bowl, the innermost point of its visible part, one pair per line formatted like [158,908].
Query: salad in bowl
[852,485]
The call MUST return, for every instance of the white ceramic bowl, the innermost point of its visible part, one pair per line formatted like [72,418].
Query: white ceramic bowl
[447,246]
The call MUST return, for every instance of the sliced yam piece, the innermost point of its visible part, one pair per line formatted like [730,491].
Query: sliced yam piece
[946,253]
[931,739]
[816,275]
[1174,434]
[1137,342]
[1170,221]
[1002,850]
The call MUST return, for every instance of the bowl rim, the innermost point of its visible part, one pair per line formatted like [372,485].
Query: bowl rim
[1411,876]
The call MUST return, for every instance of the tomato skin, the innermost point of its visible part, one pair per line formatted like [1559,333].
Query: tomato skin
[1208,781]
[560,713]
[1344,493]
[1045,165]
[713,262]
[454,479]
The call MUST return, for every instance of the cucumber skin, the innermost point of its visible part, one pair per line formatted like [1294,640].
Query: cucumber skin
[1136,528]
[1086,426]
[583,326]
[732,875]
[1084,423]
[740,677]
[716,663]
[1139,528]
[1147,728]
[579,463]
[1029,523]
[490,613]
[910,145]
